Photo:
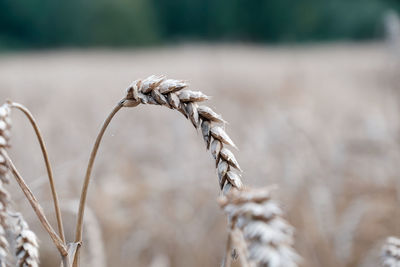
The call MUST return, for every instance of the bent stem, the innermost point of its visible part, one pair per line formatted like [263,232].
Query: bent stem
[29,115]
[79,224]
[36,206]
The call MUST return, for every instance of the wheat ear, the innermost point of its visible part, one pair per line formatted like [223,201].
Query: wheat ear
[268,237]
[5,126]
[157,90]
[26,244]
[391,252]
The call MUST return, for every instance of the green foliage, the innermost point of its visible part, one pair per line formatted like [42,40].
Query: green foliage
[54,23]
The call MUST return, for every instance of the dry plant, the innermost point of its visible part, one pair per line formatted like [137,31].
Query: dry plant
[253,216]
[257,228]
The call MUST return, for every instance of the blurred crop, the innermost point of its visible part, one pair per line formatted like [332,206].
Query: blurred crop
[320,121]
[311,91]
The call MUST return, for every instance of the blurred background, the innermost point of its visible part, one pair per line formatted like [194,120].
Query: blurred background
[126,23]
[310,90]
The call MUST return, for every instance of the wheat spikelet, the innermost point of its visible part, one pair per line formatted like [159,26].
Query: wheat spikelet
[269,238]
[391,252]
[26,244]
[158,90]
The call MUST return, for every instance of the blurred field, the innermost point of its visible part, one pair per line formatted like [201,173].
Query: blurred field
[322,122]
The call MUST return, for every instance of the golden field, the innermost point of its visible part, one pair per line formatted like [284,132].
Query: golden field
[320,121]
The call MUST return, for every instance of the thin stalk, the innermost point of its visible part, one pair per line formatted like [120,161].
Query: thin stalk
[35,126]
[79,224]
[36,206]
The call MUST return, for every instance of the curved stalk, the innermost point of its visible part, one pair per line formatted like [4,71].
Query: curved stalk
[29,115]
[79,224]
[36,206]
[82,201]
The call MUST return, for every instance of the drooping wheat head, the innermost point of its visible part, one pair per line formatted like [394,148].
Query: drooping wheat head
[268,237]
[157,90]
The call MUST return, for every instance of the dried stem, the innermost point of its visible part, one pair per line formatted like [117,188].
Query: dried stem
[79,224]
[48,166]
[36,206]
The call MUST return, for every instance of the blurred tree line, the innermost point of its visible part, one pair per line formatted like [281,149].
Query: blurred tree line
[56,23]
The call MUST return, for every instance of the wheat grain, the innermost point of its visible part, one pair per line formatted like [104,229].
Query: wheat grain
[157,90]
[391,252]
[269,238]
